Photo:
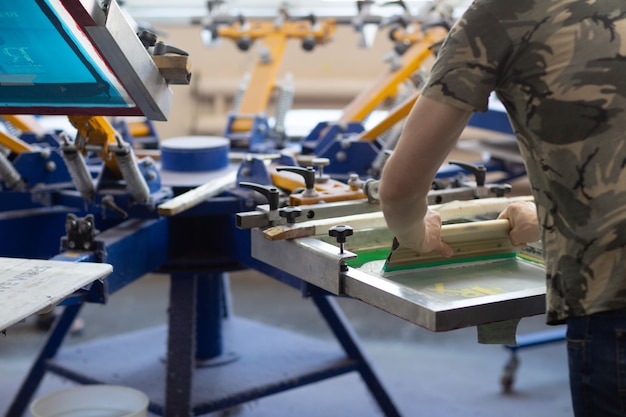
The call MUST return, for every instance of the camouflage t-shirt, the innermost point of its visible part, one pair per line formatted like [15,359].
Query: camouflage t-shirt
[559,68]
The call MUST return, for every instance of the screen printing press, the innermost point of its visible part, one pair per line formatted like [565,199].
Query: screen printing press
[345,254]
[108,207]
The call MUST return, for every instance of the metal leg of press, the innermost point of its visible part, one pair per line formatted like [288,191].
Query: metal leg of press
[195,338]
[349,340]
[525,341]
[38,369]
[181,345]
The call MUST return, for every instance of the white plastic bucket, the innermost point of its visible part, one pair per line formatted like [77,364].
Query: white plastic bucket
[92,401]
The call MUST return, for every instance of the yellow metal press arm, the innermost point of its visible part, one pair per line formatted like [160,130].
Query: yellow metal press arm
[14,144]
[390,120]
[24,123]
[274,38]
[97,133]
[387,84]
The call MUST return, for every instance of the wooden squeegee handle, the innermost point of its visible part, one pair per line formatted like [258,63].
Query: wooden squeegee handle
[469,240]
[475,231]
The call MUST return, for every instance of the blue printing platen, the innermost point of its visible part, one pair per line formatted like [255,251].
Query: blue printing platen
[194,153]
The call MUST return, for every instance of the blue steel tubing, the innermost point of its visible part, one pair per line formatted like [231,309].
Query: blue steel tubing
[209,315]
[286,384]
[538,339]
[38,369]
[348,339]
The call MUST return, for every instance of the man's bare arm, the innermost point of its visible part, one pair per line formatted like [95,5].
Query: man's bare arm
[430,133]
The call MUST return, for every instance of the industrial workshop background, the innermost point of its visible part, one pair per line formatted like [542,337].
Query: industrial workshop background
[328,77]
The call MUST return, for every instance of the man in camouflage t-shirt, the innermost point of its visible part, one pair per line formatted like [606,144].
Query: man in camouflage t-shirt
[559,68]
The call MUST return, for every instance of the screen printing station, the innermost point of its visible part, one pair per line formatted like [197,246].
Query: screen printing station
[104,217]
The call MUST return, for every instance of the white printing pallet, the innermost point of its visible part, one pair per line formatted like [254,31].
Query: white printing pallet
[28,286]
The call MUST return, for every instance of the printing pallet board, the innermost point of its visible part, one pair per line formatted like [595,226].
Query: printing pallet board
[28,286]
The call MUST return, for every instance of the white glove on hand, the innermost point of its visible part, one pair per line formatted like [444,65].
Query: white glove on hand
[429,237]
[524,225]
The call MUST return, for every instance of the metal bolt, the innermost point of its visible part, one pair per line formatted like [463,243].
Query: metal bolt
[290,213]
[354,182]
[341,156]
[70,225]
[84,227]
[320,163]
[340,232]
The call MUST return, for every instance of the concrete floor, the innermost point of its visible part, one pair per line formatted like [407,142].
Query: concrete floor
[426,374]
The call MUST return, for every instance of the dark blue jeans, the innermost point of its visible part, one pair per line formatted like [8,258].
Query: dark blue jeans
[596,347]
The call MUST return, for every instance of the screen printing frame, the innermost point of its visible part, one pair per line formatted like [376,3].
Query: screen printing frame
[107,46]
[319,262]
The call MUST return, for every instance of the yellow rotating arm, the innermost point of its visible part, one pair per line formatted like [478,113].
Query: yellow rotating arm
[96,133]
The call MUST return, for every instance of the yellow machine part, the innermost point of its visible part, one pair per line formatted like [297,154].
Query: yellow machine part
[391,119]
[328,191]
[25,123]
[98,132]
[262,84]
[138,128]
[14,144]
[386,86]
[263,80]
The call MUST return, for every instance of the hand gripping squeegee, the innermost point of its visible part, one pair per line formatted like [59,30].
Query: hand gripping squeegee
[471,241]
